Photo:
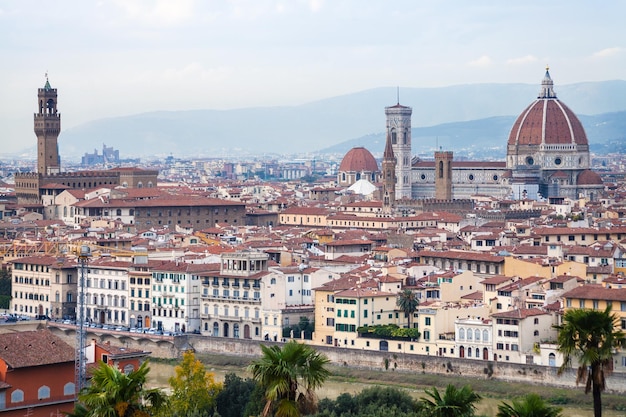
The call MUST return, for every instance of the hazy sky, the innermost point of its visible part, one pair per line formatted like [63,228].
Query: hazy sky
[119,57]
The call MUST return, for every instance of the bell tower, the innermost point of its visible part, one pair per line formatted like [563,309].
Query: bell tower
[399,130]
[443,175]
[47,128]
[389,177]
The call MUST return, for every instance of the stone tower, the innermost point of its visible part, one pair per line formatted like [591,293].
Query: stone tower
[389,177]
[399,131]
[443,175]
[47,128]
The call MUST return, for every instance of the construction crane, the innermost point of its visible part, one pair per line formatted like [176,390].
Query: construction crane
[80,359]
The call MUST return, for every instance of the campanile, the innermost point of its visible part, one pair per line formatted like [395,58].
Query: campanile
[47,128]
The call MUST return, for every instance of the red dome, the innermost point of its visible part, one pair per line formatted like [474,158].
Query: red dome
[588,177]
[358,160]
[547,121]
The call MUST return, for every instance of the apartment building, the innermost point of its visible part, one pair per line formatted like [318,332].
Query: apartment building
[106,292]
[231,296]
[44,285]
[518,334]
[176,292]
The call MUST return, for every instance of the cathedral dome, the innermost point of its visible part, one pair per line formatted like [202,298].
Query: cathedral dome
[588,177]
[547,121]
[358,159]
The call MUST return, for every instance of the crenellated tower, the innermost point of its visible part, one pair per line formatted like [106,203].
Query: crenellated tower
[389,177]
[399,132]
[47,128]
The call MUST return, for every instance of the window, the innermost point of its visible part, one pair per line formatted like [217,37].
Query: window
[461,334]
[43,392]
[426,334]
[427,321]
[17,396]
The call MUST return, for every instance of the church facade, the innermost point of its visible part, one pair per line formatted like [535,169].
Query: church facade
[547,157]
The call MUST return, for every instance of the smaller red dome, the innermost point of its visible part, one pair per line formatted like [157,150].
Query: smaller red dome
[588,177]
[358,159]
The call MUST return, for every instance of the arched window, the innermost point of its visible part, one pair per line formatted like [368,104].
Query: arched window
[477,353]
[485,336]
[477,335]
[118,212]
[552,359]
[469,352]
[216,329]
[69,389]
[440,169]
[343,176]
[461,334]
[469,334]
[17,396]
[128,368]
[394,138]
[405,136]
[43,392]
[236,330]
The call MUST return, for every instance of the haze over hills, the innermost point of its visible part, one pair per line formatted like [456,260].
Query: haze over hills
[475,116]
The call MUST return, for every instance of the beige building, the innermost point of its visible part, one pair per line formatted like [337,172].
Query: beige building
[44,286]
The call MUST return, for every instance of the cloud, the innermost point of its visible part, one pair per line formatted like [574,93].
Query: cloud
[483,61]
[608,52]
[315,5]
[157,13]
[521,60]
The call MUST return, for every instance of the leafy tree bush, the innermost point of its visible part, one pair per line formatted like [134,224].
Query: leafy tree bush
[371,402]
[305,325]
[193,388]
[388,331]
[234,397]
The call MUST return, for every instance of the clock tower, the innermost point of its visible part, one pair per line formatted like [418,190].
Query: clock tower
[399,131]
[47,128]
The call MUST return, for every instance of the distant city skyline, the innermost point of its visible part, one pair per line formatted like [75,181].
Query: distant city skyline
[121,57]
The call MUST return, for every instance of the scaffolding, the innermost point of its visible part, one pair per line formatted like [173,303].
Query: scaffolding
[80,359]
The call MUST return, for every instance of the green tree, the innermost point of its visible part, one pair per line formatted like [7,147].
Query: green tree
[193,388]
[454,402]
[112,393]
[408,302]
[289,377]
[234,397]
[383,401]
[532,405]
[589,337]
[5,288]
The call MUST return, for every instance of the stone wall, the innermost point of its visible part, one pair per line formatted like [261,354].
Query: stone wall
[172,347]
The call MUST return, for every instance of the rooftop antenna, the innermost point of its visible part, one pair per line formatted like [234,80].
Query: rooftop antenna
[398,93]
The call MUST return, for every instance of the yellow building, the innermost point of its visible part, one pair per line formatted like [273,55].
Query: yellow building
[597,297]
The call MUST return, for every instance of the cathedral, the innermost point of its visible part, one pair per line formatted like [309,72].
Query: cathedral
[547,158]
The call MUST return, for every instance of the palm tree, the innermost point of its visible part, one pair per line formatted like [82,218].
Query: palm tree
[112,393]
[408,302]
[454,403]
[289,377]
[531,406]
[590,338]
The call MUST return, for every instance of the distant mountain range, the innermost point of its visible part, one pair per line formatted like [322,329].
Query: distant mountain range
[468,119]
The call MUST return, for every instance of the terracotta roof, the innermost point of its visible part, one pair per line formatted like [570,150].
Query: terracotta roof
[547,121]
[519,313]
[358,159]
[34,348]
[588,177]
[596,292]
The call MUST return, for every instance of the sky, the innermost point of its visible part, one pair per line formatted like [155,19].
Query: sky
[121,57]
